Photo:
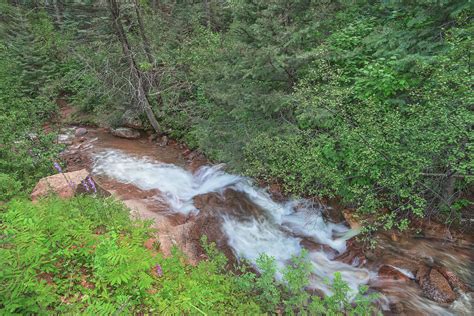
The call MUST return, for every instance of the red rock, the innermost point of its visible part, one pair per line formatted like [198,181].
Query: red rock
[442,290]
[63,184]
[434,285]
[422,273]
[151,244]
[389,272]
[186,152]
[354,255]
[453,280]
[351,219]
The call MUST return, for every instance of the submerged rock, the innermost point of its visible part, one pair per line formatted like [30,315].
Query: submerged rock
[125,132]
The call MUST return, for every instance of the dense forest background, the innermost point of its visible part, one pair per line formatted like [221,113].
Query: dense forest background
[369,101]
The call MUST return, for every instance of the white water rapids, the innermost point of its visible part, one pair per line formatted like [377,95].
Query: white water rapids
[279,234]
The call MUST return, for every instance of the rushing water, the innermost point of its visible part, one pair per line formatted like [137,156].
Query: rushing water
[280,232]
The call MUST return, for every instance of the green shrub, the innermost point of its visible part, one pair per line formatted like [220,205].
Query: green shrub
[9,187]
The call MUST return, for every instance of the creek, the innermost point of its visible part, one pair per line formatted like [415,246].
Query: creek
[161,180]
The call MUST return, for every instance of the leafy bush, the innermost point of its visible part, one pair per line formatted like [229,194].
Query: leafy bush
[9,187]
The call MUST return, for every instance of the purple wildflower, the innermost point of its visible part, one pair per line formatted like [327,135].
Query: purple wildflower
[158,270]
[58,167]
[71,183]
[92,184]
[84,184]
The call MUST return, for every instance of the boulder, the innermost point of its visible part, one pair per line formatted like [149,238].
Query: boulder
[81,131]
[62,184]
[132,119]
[409,265]
[434,285]
[65,139]
[125,132]
[230,202]
[351,219]
[164,141]
[208,221]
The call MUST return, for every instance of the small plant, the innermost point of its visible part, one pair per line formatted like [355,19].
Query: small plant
[339,303]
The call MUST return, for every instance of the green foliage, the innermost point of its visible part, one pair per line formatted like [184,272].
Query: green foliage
[47,251]
[339,304]
[290,293]
[26,151]
[85,255]
[265,284]
[353,103]
[366,101]
[83,87]
[297,276]
[9,187]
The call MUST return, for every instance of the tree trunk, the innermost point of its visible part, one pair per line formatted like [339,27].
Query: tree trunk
[207,9]
[58,10]
[146,42]
[139,84]
[448,190]
[147,47]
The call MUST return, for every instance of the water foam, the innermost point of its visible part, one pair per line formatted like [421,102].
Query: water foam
[177,185]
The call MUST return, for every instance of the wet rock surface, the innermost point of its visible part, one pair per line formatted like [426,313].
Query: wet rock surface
[230,203]
[389,272]
[125,132]
[434,285]
[354,255]
[456,283]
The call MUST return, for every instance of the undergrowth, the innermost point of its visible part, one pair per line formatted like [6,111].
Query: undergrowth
[87,256]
